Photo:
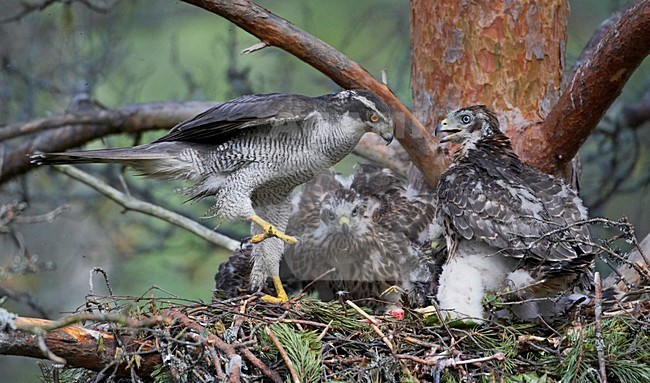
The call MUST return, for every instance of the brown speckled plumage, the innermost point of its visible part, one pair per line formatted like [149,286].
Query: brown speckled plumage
[384,245]
[489,197]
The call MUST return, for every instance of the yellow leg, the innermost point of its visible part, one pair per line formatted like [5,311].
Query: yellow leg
[279,289]
[269,231]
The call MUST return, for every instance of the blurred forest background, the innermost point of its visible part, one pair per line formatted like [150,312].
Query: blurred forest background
[125,52]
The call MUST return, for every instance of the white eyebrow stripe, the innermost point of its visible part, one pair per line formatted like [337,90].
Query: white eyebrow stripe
[369,104]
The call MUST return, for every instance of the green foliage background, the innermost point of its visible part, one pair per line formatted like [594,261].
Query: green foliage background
[149,51]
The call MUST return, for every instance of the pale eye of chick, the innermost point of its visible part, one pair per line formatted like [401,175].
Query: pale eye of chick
[355,211]
[465,119]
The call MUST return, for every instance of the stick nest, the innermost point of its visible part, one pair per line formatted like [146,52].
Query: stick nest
[244,339]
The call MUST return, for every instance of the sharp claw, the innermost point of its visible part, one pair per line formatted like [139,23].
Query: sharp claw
[268,230]
[244,241]
[282,297]
[276,300]
[257,238]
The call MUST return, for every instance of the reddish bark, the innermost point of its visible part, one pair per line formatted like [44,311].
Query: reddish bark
[506,56]
[591,91]
[510,57]
[77,345]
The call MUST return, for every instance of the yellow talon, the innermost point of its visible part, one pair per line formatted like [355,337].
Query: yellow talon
[394,289]
[269,231]
[279,289]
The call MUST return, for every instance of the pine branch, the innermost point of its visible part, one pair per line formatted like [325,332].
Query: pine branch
[597,81]
[62,132]
[131,203]
[76,346]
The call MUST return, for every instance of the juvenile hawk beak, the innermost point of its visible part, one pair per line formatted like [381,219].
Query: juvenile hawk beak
[440,126]
[345,225]
[449,133]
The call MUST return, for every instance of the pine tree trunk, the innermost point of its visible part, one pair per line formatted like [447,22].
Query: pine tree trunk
[508,55]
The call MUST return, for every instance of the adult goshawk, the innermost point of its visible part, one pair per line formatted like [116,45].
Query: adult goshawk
[506,223]
[250,152]
[371,228]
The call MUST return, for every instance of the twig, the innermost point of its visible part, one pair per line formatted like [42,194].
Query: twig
[49,354]
[322,333]
[310,284]
[297,321]
[131,203]
[228,349]
[254,48]
[416,359]
[364,314]
[27,9]
[456,362]
[39,326]
[600,343]
[442,364]
[234,369]
[283,354]
[373,325]
[47,217]
[24,298]
[419,342]
[103,272]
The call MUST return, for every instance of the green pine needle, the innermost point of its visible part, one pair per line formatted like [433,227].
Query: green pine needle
[303,349]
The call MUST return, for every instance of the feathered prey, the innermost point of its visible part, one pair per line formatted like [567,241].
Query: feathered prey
[249,153]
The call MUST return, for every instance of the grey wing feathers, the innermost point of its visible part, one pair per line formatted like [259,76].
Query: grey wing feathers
[119,155]
[512,213]
[219,124]
[398,211]
[306,210]
[372,179]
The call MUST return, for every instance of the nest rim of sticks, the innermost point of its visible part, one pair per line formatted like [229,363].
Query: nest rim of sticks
[245,339]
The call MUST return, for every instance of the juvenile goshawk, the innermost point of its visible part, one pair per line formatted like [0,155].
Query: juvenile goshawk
[250,152]
[371,228]
[506,223]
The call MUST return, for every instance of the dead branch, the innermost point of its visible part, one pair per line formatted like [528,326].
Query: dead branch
[276,31]
[597,82]
[79,346]
[633,272]
[41,325]
[131,203]
[600,343]
[24,298]
[134,118]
